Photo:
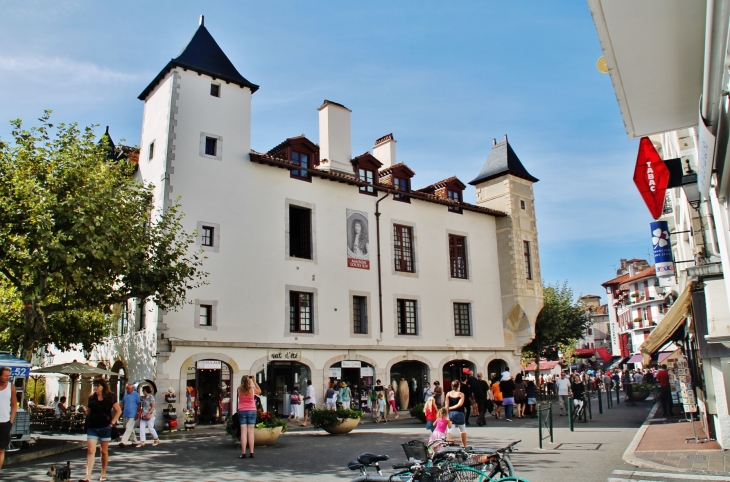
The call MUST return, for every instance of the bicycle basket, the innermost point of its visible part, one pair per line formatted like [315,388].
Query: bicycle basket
[415,449]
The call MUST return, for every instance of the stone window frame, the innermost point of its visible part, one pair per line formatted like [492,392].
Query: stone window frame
[216,237]
[315,310]
[218,148]
[368,307]
[313,208]
[472,326]
[414,246]
[419,316]
[469,270]
[213,316]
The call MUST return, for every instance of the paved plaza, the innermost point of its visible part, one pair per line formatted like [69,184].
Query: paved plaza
[593,452]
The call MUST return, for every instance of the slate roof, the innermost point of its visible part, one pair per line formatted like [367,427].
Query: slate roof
[502,160]
[203,55]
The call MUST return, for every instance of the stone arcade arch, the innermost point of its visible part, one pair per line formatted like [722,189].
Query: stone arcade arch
[215,379]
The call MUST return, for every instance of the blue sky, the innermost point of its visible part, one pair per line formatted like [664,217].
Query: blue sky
[445,78]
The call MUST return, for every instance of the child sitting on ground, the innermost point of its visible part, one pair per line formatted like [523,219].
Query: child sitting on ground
[441,425]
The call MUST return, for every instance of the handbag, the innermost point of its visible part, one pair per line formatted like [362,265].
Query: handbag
[139,413]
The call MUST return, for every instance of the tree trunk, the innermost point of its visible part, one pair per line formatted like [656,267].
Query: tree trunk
[537,365]
[35,329]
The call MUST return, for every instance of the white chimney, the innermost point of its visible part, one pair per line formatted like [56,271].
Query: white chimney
[384,150]
[335,146]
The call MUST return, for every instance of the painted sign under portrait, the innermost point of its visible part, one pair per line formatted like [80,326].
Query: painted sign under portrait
[358,240]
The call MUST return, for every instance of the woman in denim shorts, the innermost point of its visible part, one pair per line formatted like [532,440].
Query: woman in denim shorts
[101,415]
[247,412]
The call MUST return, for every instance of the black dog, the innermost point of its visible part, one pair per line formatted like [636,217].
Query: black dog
[60,474]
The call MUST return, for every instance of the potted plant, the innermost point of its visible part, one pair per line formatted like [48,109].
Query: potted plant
[635,294]
[418,413]
[336,422]
[640,391]
[189,419]
[266,431]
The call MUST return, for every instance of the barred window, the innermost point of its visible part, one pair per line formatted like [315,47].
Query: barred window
[406,314]
[457,254]
[300,312]
[359,315]
[403,248]
[462,326]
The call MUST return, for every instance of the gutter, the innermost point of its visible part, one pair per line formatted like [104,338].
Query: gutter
[380,276]
[716,43]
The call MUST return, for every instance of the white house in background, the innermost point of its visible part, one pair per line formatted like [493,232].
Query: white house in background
[323,264]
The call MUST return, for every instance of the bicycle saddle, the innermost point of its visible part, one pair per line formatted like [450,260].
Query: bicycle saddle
[355,465]
[369,459]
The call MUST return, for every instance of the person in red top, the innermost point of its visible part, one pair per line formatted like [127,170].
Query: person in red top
[430,410]
[665,391]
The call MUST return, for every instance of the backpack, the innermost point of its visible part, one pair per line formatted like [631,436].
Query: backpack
[295,398]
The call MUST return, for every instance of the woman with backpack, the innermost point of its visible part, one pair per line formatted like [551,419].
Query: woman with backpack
[295,400]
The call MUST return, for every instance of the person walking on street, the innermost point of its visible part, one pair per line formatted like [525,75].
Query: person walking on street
[294,401]
[310,401]
[130,406]
[427,392]
[246,405]
[381,408]
[531,393]
[665,391]
[8,409]
[345,395]
[330,397]
[497,392]
[507,386]
[438,393]
[578,389]
[563,386]
[102,414]
[465,388]
[455,401]
[520,395]
[430,410]
[391,402]
[480,390]
[147,417]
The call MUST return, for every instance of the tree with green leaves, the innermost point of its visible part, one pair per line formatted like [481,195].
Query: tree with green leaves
[79,234]
[561,321]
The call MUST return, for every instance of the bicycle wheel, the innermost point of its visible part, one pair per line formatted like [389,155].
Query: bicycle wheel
[506,468]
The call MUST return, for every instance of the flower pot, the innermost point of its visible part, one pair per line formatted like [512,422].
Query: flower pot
[639,395]
[347,426]
[265,436]
[189,425]
[172,415]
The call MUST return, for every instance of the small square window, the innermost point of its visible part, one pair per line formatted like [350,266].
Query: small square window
[208,233]
[522,204]
[206,315]
[152,151]
[211,145]
[215,90]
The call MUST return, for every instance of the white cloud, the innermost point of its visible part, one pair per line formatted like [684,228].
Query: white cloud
[59,70]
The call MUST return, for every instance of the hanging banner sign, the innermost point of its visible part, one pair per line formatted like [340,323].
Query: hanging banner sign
[663,260]
[651,177]
[208,365]
[335,372]
[366,372]
[351,364]
[358,240]
[706,154]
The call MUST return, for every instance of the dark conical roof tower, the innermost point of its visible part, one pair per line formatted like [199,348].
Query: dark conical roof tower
[502,160]
[202,54]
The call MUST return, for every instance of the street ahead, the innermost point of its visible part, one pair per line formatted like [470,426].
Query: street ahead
[592,453]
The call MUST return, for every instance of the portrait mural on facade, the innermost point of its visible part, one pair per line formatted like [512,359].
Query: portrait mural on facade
[358,240]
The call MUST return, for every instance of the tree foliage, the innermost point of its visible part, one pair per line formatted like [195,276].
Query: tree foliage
[76,237]
[560,322]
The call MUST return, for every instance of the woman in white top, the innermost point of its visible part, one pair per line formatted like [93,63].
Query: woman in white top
[8,409]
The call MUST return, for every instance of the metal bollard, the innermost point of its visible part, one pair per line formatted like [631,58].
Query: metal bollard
[570,413]
[618,395]
[600,402]
[550,414]
[590,408]
[539,424]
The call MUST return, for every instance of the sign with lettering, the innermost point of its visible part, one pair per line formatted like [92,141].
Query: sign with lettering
[19,372]
[366,372]
[208,365]
[335,372]
[351,364]
[358,240]
[663,259]
[651,177]
[285,355]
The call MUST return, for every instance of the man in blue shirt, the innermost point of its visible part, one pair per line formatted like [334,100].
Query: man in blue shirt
[130,404]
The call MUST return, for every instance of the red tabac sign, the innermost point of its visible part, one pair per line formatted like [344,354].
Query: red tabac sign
[651,176]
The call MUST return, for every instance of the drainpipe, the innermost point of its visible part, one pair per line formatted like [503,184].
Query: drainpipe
[716,43]
[380,276]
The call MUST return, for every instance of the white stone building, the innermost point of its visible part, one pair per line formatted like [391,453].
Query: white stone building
[323,264]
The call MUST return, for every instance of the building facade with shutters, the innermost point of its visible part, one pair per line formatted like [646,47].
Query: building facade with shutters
[324,264]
